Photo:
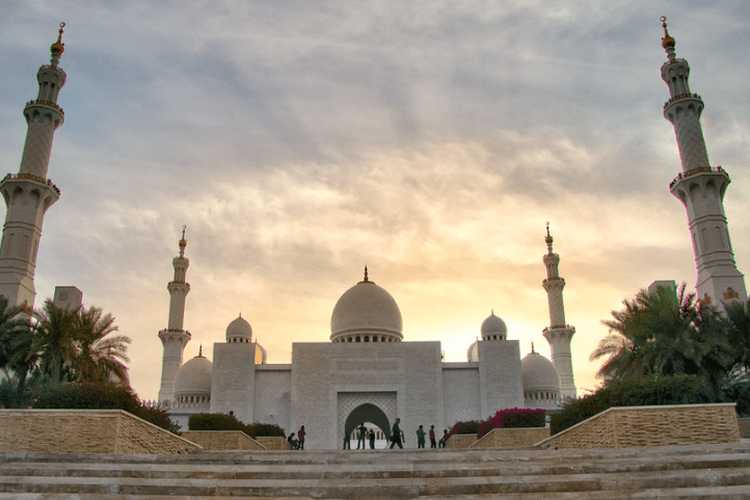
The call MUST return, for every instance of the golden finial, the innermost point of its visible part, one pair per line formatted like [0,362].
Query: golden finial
[183,242]
[548,239]
[366,278]
[58,47]
[200,350]
[667,42]
[532,348]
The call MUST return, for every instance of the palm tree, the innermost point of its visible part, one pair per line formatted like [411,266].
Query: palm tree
[17,358]
[101,357]
[55,336]
[665,333]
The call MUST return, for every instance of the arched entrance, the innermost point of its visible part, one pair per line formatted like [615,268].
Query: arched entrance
[367,412]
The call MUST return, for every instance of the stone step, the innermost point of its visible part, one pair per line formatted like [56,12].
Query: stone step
[706,471]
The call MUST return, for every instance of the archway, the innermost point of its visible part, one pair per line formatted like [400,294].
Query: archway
[367,412]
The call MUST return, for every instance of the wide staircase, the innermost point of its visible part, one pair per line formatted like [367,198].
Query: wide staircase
[675,472]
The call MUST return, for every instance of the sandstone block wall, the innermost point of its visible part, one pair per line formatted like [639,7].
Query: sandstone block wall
[86,431]
[223,440]
[651,426]
[512,438]
[460,441]
[273,443]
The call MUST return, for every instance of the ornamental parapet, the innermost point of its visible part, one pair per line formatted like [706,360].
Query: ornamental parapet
[175,330]
[682,96]
[32,177]
[559,327]
[696,171]
[45,103]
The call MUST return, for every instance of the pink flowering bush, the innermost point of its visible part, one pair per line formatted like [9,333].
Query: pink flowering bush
[512,418]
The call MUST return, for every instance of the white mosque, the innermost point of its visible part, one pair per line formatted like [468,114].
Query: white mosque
[366,372]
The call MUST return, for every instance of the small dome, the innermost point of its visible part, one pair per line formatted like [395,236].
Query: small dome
[366,310]
[539,374]
[194,378]
[239,330]
[493,328]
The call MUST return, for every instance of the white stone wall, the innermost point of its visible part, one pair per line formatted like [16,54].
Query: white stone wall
[411,370]
[460,393]
[273,395]
[233,380]
[500,377]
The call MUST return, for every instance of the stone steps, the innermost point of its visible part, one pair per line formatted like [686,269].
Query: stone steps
[685,472]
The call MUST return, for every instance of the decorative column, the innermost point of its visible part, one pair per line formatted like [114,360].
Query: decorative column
[700,187]
[558,334]
[29,193]
[174,338]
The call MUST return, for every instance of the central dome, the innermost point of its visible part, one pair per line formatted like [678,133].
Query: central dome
[366,313]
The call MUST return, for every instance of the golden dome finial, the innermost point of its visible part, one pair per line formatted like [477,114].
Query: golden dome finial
[58,47]
[366,277]
[667,42]
[548,239]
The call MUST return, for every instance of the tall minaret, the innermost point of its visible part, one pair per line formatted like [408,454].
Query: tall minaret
[558,334]
[174,338]
[700,187]
[29,194]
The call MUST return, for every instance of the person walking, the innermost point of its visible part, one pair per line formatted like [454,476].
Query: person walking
[420,437]
[396,434]
[433,443]
[301,438]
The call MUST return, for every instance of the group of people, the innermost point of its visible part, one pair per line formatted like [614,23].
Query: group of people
[363,434]
[397,436]
[297,443]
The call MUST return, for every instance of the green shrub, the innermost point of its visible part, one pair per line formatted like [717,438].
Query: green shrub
[99,396]
[468,427]
[645,391]
[219,422]
[268,430]
[513,418]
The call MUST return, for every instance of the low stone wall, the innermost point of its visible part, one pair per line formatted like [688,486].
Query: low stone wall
[621,427]
[512,438]
[86,431]
[223,440]
[744,424]
[460,441]
[273,443]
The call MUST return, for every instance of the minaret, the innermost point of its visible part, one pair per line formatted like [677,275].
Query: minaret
[700,187]
[174,338]
[558,334]
[29,193]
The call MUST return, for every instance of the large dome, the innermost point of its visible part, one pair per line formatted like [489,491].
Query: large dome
[366,313]
[539,374]
[194,378]
[239,330]
[493,328]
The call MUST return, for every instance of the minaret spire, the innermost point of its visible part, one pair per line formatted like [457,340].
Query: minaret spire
[699,186]
[558,334]
[29,194]
[174,338]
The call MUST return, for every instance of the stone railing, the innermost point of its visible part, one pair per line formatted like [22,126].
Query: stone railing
[223,440]
[512,438]
[86,431]
[461,441]
[644,426]
[273,443]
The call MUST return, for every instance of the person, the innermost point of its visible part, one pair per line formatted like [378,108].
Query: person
[301,438]
[433,444]
[420,437]
[396,434]
[361,435]
[347,441]
[292,442]
[441,444]
[372,439]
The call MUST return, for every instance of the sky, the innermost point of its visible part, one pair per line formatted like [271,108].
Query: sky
[432,141]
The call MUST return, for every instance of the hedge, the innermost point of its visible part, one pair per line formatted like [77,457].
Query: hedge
[512,418]
[228,422]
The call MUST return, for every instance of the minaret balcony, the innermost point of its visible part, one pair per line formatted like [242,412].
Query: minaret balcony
[697,171]
[45,103]
[31,177]
[559,327]
[680,97]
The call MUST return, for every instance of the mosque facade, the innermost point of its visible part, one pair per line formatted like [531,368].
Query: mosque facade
[366,372]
